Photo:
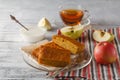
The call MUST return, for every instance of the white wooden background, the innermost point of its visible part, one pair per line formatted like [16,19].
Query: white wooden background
[105,13]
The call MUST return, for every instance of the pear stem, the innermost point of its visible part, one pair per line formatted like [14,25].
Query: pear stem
[13,18]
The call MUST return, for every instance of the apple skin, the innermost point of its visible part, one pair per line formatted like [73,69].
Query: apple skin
[105,53]
[58,32]
[119,33]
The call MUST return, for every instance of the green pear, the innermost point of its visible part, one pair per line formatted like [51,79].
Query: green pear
[100,36]
[72,32]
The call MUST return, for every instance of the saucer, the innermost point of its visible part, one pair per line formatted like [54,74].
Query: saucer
[84,23]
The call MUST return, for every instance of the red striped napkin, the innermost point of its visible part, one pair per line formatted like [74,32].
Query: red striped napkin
[95,71]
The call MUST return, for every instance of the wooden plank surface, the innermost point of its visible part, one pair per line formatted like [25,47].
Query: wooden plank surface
[29,12]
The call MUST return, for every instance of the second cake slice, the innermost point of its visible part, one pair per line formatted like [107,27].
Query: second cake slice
[70,44]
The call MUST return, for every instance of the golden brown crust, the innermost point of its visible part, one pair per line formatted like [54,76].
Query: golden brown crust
[52,55]
[67,38]
[68,43]
[57,52]
[49,44]
[52,44]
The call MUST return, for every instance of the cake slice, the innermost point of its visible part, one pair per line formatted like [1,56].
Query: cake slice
[51,44]
[48,53]
[70,44]
[52,56]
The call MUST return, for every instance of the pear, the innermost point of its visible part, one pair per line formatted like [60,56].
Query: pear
[72,32]
[44,23]
[100,36]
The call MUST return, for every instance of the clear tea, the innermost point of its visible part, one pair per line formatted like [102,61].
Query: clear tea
[71,17]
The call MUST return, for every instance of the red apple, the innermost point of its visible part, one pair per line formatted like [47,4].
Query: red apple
[119,33]
[105,53]
[58,32]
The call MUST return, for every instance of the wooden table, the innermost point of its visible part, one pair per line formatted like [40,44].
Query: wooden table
[104,14]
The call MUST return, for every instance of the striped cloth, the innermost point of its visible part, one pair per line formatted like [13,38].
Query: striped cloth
[95,71]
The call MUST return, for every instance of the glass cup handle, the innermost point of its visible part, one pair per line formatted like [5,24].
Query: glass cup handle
[86,15]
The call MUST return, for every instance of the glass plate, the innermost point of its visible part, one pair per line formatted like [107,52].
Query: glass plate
[75,64]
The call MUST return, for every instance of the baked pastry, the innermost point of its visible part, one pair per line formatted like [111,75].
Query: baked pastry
[52,44]
[70,44]
[52,56]
[56,53]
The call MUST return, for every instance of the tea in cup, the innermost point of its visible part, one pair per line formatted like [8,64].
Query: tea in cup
[72,15]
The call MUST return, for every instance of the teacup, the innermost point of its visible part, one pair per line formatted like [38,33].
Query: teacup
[72,14]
